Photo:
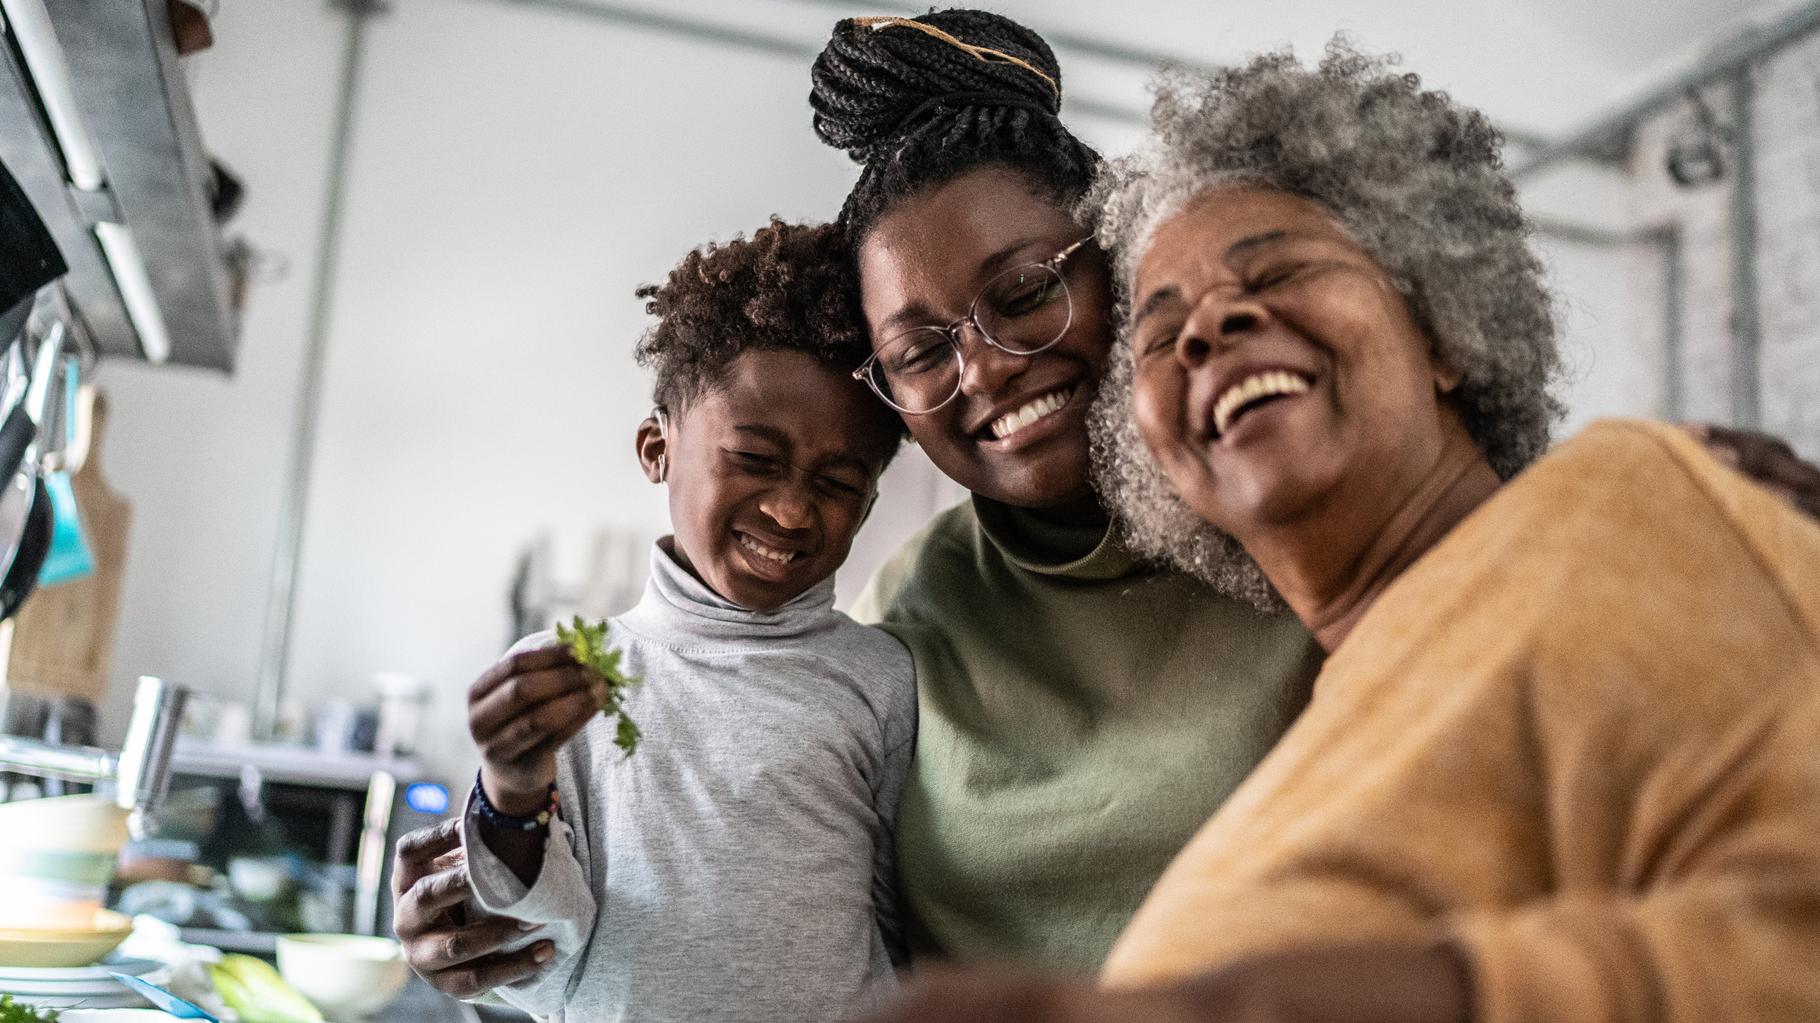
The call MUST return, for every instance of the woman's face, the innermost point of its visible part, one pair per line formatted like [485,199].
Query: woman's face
[922,265]
[1278,368]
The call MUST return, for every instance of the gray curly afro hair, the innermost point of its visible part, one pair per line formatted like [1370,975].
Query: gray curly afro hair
[1414,177]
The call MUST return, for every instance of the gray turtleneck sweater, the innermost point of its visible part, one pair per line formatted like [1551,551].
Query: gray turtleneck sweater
[739,866]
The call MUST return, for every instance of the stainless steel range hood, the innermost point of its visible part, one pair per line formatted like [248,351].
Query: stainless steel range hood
[97,125]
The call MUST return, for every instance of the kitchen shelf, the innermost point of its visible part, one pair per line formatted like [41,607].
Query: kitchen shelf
[119,59]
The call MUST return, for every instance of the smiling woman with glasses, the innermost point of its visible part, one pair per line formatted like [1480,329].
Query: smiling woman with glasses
[1022,311]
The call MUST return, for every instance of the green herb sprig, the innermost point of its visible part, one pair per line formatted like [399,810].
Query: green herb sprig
[588,645]
[19,1012]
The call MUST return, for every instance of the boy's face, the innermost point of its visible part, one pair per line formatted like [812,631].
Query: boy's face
[770,474]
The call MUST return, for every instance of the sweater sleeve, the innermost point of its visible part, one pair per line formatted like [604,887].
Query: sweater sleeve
[1726,925]
[561,901]
[884,853]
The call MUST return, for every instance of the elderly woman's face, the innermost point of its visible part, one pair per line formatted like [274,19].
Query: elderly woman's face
[1276,363]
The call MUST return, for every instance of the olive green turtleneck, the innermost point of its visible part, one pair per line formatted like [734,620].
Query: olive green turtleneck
[1080,716]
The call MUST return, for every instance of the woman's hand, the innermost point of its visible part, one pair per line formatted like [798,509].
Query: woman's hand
[519,712]
[1765,459]
[429,889]
[1378,983]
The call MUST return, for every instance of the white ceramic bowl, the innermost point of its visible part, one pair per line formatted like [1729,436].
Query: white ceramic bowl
[346,975]
[63,823]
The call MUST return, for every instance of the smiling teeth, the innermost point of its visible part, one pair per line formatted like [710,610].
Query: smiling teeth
[1011,422]
[768,553]
[1250,389]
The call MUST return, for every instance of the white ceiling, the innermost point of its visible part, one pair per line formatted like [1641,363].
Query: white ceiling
[1543,66]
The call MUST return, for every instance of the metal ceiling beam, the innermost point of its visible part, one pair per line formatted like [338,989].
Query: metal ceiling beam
[704,30]
[287,555]
[1122,54]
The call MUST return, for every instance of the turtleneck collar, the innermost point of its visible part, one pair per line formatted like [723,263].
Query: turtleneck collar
[1046,548]
[679,610]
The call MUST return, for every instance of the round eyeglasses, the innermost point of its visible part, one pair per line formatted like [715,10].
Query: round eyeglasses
[1022,311]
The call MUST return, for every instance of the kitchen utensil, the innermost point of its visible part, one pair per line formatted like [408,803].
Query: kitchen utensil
[35,539]
[34,544]
[164,999]
[28,257]
[16,433]
[69,557]
[63,638]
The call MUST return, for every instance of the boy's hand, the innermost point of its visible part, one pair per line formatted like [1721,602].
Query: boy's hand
[519,712]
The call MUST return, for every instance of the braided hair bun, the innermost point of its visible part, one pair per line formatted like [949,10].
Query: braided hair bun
[920,101]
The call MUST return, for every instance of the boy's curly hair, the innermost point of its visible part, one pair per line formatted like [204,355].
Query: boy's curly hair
[788,287]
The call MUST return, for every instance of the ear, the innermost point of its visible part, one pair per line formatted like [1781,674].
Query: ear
[1446,377]
[652,443]
[871,503]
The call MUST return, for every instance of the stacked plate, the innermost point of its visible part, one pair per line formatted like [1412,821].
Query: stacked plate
[87,987]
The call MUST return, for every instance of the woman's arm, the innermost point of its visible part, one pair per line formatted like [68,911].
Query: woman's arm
[1765,459]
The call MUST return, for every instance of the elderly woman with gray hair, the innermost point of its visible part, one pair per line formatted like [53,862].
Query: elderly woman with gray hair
[1563,761]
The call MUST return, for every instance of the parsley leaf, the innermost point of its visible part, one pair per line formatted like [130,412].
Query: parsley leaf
[19,1012]
[587,644]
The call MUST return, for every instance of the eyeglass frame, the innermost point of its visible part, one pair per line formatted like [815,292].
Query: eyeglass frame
[952,330]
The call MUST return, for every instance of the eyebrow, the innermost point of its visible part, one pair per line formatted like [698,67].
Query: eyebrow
[1162,296]
[917,314]
[782,440]
[1156,300]
[770,433]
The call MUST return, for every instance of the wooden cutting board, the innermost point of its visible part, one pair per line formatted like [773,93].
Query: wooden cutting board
[63,637]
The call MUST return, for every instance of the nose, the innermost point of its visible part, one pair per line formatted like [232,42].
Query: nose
[789,505]
[1218,321]
[988,367]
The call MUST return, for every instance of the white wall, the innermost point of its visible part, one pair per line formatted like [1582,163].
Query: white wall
[1786,117]
[202,457]
[515,174]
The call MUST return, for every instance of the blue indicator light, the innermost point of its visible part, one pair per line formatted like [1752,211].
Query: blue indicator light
[426,797]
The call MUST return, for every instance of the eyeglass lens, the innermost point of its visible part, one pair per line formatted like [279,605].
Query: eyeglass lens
[1022,311]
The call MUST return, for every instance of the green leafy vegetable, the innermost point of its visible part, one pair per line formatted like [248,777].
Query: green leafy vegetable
[588,645]
[19,1012]
[256,992]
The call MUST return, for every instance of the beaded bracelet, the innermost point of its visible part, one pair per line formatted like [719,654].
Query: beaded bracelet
[505,821]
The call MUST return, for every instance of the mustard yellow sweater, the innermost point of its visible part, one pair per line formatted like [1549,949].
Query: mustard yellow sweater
[1581,736]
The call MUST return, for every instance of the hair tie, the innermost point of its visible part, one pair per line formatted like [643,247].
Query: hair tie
[984,54]
[967,99]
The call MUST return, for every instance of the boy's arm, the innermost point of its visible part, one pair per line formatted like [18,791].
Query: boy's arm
[561,900]
[887,796]
[884,855]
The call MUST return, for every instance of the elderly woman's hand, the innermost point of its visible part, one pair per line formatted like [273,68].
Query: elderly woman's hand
[429,890]
[1380,982]
[1768,460]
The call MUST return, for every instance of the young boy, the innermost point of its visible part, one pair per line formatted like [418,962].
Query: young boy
[738,866]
